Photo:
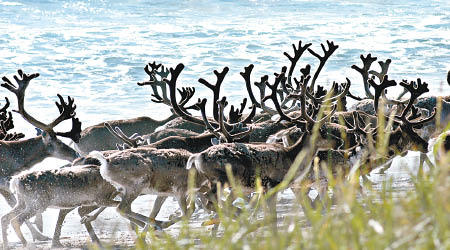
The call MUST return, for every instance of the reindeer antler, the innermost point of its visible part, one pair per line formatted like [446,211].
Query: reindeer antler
[415,92]
[273,95]
[174,74]
[384,69]
[3,110]
[332,90]
[133,141]
[380,88]
[155,83]
[298,52]
[229,138]
[235,114]
[309,121]
[262,92]
[323,59]
[364,71]
[216,89]
[246,75]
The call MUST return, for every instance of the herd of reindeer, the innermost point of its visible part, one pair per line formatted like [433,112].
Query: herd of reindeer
[295,118]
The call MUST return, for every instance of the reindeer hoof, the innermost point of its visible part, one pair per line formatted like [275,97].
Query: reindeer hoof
[40,237]
[57,244]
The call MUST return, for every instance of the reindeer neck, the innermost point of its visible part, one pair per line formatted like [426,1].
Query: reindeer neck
[24,154]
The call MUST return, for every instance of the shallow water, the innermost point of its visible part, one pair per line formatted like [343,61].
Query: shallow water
[95,51]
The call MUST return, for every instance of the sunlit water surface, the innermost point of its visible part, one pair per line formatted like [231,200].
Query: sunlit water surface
[95,51]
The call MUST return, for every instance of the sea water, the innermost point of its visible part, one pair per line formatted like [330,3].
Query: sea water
[95,51]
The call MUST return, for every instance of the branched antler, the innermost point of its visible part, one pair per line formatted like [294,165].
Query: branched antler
[7,124]
[186,94]
[201,105]
[364,71]
[384,69]
[333,90]
[216,89]
[273,95]
[152,70]
[3,110]
[227,135]
[132,141]
[379,89]
[262,92]
[298,52]
[74,133]
[246,75]
[221,132]
[323,59]
[235,114]
[415,92]
[172,83]
[309,121]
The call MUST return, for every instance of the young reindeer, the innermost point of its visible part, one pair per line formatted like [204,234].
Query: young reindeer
[268,161]
[14,159]
[64,188]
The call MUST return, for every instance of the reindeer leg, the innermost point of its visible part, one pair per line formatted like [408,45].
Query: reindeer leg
[6,220]
[323,194]
[428,161]
[84,210]
[39,222]
[56,236]
[272,203]
[110,202]
[124,209]
[256,205]
[11,200]
[186,213]
[423,158]
[300,195]
[385,167]
[157,206]
[26,214]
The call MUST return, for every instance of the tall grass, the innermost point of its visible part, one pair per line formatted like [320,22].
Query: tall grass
[376,218]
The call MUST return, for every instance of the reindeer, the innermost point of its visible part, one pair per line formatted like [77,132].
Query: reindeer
[14,159]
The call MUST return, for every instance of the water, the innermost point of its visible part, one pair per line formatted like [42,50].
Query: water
[95,51]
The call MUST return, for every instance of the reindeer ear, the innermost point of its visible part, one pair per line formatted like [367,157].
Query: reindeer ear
[39,131]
